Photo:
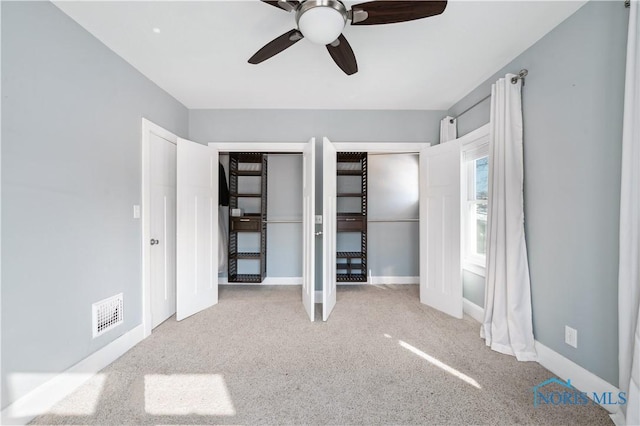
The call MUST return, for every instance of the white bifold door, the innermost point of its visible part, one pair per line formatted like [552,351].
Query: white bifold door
[329,201]
[440,210]
[197,228]
[308,227]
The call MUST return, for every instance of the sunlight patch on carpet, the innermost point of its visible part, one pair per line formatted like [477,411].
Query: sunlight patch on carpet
[82,403]
[436,362]
[38,397]
[184,394]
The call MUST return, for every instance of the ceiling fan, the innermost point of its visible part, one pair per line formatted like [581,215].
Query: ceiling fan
[322,22]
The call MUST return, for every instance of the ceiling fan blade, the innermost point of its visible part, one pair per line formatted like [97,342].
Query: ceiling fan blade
[389,12]
[276,46]
[287,5]
[343,56]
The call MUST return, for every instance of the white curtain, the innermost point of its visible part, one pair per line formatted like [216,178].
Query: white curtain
[629,272]
[448,129]
[507,325]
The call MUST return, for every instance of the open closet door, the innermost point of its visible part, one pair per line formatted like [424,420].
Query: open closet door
[308,227]
[197,228]
[329,184]
[440,273]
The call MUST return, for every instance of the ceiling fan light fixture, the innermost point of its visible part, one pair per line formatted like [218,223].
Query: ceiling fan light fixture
[321,21]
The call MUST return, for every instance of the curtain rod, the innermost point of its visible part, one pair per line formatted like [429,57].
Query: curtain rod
[521,75]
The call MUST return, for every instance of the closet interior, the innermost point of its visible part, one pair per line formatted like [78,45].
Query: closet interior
[262,225]
[393,214]
[376,218]
[351,220]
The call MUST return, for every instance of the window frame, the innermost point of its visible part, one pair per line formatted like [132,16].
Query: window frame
[471,151]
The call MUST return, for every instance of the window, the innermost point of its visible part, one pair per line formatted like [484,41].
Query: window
[476,169]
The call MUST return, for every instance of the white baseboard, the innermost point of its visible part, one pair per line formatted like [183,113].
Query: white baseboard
[298,281]
[618,418]
[318,296]
[581,379]
[266,281]
[380,280]
[473,310]
[41,399]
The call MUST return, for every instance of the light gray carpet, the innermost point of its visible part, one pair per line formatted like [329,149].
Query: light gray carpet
[382,358]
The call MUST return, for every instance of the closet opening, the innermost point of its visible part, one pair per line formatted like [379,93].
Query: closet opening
[377,232]
[411,178]
[260,218]
[387,193]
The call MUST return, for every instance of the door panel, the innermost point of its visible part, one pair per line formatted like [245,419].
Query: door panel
[440,271]
[197,228]
[308,225]
[329,183]
[163,229]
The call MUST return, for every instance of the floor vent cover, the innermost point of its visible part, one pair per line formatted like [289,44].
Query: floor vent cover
[107,314]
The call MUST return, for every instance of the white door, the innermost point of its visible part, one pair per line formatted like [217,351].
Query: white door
[329,183]
[162,164]
[308,225]
[197,228]
[440,273]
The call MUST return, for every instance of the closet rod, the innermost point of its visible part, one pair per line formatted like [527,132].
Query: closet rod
[521,75]
[393,153]
[392,220]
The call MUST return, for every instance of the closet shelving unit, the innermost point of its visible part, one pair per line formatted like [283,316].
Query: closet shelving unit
[352,265]
[254,166]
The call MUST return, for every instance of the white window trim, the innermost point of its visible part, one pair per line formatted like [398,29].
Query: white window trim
[474,145]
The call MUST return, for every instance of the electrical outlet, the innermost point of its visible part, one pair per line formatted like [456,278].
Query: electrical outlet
[571,336]
[318,219]
[136,211]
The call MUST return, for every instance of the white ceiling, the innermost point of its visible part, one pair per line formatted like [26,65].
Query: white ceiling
[200,55]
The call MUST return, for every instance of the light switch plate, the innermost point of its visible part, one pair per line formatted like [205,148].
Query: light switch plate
[571,336]
[318,219]
[136,211]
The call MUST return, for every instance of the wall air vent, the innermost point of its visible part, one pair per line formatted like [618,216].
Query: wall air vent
[107,314]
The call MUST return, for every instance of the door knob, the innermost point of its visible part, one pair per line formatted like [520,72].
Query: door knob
[154,242]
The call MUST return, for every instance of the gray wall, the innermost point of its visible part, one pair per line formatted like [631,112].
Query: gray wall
[71,126]
[301,125]
[473,287]
[573,103]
